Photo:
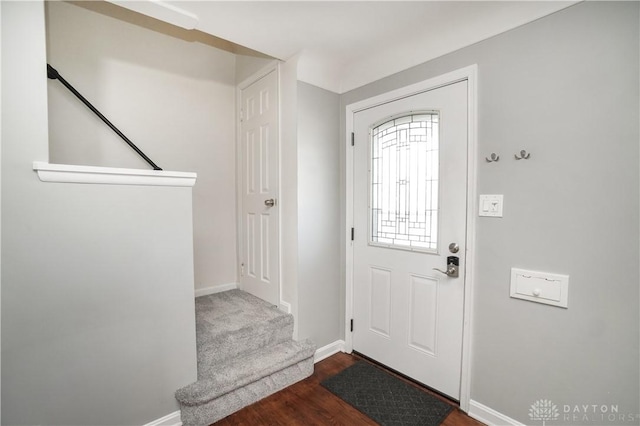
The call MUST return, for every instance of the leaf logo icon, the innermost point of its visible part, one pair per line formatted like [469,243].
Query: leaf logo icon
[543,409]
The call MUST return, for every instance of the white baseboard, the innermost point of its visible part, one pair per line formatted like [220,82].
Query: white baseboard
[215,289]
[172,419]
[328,350]
[285,306]
[490,416]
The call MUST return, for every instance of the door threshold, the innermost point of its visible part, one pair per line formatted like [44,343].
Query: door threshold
[410,380]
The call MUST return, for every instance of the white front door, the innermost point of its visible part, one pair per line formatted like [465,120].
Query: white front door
[259,228]
[410,178]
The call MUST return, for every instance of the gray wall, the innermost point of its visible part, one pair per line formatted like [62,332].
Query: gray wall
[97,280]
[247,65]
[318,214]
[171,91]
[565,88]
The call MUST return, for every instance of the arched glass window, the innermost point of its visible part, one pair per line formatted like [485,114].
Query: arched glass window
[404,182]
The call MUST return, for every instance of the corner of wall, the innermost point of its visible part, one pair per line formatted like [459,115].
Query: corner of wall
[289,187]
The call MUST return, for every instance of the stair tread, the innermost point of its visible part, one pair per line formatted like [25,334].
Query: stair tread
[220,407]
[233,312]
[234,323]
[240,371]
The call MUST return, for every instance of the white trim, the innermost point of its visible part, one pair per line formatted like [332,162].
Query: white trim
[472,216]
[172,419]
[215,289]
[262,72]
[470,74]
[413,89]
[285,306]
[348,313]
[162,11]
[239,218]
[65,173]
[489,416]
[328,350]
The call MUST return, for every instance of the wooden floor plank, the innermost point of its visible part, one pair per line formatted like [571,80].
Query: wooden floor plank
[308,403]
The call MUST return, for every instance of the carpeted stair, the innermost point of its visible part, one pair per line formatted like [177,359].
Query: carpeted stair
[245,353]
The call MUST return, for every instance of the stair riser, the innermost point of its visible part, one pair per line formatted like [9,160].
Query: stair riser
[218,408]
[240,344]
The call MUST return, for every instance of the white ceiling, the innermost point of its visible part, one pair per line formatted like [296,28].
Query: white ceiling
[342,45]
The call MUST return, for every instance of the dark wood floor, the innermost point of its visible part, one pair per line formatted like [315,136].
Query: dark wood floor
[308,403]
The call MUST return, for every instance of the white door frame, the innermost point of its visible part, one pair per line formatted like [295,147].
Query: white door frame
[470,74]
[273,66]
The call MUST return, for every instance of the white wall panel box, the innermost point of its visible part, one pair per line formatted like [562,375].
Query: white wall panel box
[540,287]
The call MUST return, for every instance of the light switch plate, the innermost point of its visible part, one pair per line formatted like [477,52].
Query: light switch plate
[491,205]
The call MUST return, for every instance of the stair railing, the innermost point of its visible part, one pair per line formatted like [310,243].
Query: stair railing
[53,74]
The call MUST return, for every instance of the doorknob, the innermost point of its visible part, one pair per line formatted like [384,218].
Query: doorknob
[270,202]
[453,263]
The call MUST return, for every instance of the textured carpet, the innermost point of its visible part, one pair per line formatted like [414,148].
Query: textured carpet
[232,324]
[245,353]
[385,398]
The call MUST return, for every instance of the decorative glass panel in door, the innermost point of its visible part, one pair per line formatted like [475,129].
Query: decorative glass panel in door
[404,182]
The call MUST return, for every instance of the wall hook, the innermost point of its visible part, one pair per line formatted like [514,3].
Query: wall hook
[523,155]
[494,157]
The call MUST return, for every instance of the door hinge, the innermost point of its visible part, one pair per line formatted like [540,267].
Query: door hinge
[351,325]
[353,139]
[353,233]
[242,269]
[241,115]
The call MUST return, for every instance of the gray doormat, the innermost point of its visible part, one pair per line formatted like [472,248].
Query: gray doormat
[385,398]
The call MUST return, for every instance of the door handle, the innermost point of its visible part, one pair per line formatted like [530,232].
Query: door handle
[452,271]
[270,202]
[453,263]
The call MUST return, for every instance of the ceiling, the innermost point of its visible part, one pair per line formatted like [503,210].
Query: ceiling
[341,45]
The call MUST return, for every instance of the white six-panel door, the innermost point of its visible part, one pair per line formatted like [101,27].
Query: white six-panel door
[409,206]
[259,189]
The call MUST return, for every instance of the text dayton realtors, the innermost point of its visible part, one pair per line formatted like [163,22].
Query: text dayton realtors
[596,412]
